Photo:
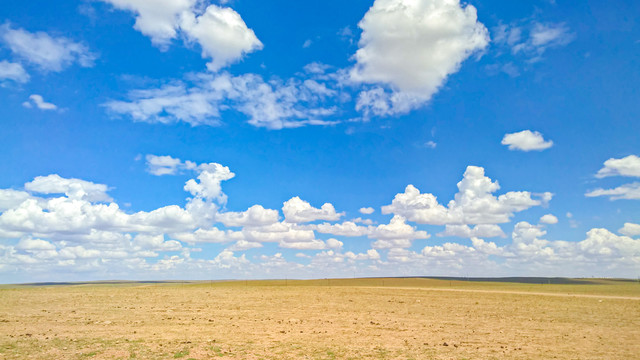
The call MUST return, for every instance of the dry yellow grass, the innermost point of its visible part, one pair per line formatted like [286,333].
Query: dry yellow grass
[322,319]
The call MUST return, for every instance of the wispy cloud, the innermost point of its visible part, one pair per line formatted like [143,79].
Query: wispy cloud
[45,51]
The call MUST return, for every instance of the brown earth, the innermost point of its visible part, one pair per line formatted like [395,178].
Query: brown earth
[321,320]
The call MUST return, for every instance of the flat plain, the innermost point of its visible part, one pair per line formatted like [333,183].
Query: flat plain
[393,318]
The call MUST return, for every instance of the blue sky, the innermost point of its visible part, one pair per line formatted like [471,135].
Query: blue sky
[189,139]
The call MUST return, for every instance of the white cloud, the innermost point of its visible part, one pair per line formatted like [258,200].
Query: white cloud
[473,204]
[208,235]
[220,31]
[163,165]
[34,244]
[396,234]
[601,242]
[532,39]
[274,104]
[527,242]
[169,104]
[10,198]
[544,36]
[283,233]
[47,52]
[39,102]
[296,210]
[347,228]
[76,232]
[628,191]
[548,219]
[413,46]
[526,140]
[316,68]
[227,260]
[630,229]
[371,254]
[334,243]
[156,243]
[303,245]
[367,210]
[360,220]
[157,19]
[13,71]
[72,188]
[208,186]
[489,248]
[431,144]
[255,216]
[481,230]
[243,245]
[627,166]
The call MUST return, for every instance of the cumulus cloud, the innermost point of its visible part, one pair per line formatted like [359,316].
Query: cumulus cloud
[630,229]
[34,244]
[208,235]
[334,243]
[156,243]
[156,19]
[548,219]
[10,198]
[303,245]
[220,31]
[72,188]
[207,185]
[57,224]
[367,210]
[243,245]
[602,242]
[627,166]
[481,230]
[255,216]
[526,140]
[279,233]
[412,47]
[473,204]
[396,234]
[347,228]
[13,71]
[39,102]
[296,210]
[47,52]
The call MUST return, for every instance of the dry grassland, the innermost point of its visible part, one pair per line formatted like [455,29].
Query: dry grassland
[324,319]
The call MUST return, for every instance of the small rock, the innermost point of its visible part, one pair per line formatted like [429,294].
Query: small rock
[445,344]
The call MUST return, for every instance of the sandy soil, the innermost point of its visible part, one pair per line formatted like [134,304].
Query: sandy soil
[315,322]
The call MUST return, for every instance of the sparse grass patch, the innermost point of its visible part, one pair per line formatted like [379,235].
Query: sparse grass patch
[181,354]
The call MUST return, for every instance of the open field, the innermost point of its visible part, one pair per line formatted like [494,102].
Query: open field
[322,319]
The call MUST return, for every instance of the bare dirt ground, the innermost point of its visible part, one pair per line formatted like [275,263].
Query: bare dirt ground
[327,319]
